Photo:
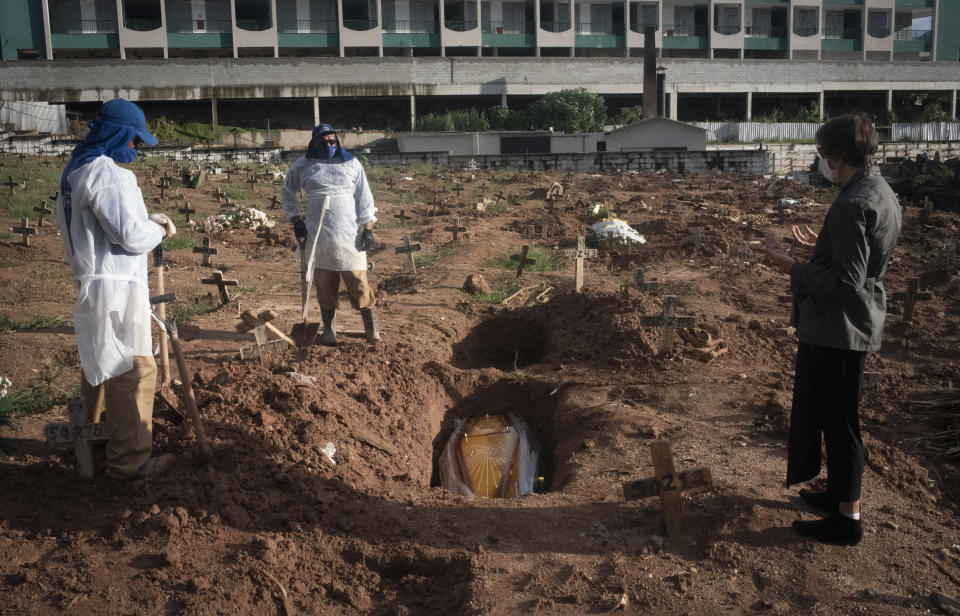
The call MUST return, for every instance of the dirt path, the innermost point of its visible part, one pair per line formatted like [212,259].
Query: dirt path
[273,527]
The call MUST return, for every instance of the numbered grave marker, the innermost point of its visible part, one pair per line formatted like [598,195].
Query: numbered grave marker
[667,483]
[79,433]
[580,253]
[408,249]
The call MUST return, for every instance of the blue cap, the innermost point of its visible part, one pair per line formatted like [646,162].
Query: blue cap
[122,112]
[321,129]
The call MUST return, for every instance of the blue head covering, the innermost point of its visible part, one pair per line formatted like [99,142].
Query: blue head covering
[117,123]
[319,149]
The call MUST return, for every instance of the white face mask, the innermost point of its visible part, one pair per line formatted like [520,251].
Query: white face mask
[827,172]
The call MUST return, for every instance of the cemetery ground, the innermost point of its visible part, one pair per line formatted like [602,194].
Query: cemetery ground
[272,525]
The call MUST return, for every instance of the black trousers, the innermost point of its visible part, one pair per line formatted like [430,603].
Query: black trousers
[826,401]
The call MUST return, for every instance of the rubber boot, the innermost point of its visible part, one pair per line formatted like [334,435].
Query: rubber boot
[329,335]
[370,325]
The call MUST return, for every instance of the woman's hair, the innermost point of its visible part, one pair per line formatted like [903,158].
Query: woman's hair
[850,137]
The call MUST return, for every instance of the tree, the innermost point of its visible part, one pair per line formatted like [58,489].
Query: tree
[502,118]
[810,113]
[570,111]
[628,115]
[932,112]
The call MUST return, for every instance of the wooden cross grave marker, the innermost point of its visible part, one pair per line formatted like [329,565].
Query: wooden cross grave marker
[523,260]
[745,256]
[911,296]
[163,185]
[253,181]
[205,250]
[625,257]
[668,321]
[458,188]
[267,235]
[12,185]
[42,210]
[948,257]
[260,324]
[186,210]
[222,284]
[408,249]
[697,237]
[25,230]
[274,202]
[456,228]
[80,433]
[531,233]
[668,483]
[639,277]
[402,217]
[580,253]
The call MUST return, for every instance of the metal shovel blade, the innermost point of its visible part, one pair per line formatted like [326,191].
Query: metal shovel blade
[304,333]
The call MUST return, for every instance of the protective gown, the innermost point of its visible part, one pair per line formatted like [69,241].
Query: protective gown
[112,314]
[351,206]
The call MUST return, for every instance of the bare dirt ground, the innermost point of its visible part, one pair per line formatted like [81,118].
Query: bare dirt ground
[272,527]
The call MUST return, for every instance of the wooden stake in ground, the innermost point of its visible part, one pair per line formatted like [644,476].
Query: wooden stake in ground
[402,217]
[25,230]
[911,296]
[408,249]
[205,250]
[456,228]
[639,277]
[668,321]
[581,253]
[222,284]
[523,260]
[41,210]
[667,483]
[186,210]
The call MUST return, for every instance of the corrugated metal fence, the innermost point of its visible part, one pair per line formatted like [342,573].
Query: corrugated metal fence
[34,116]
[745,132]
[925,131]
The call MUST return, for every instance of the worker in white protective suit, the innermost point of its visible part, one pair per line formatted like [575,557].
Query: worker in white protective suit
[329,170]
[107,234]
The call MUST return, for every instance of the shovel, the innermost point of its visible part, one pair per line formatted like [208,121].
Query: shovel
[305,333]
[165,392]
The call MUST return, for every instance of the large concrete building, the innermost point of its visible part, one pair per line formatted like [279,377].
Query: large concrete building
[725,59]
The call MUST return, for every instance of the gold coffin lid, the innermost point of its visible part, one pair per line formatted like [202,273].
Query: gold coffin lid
[489,454]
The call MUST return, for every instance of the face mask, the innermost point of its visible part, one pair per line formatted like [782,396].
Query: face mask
[331,151]
[124,155]
[827,172]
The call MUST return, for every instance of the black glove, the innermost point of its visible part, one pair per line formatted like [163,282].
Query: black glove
[366,240]
[300,231]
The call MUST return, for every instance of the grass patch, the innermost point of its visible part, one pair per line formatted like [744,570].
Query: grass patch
[42,183]
[496,208]
[53,271]
[27,325]
[239,192]
[500,290]
[426,260]
[196,306]
[42,393]
[546,262]
[179,242]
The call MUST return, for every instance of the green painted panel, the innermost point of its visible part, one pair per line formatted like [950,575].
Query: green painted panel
[778,42]
[605,41]
[21,27]
[685,42]
[85,41]
[841,44]
[830,3]
[192,40]
[309,39]
[915,46]
[411,39]
[914,4]
[508,40]
[948,33]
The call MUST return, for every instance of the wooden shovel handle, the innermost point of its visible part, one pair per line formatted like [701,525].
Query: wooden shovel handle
[188,393]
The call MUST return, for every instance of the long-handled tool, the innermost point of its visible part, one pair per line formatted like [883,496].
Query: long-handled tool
[165,392]
[305,333]
[194,412]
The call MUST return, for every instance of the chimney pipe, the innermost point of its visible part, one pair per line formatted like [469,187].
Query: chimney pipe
[661,92]
[650,105]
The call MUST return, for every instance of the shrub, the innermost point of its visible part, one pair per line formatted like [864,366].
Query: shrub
[570,111]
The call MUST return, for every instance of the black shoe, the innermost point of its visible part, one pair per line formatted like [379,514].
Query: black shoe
[819,500]
[836,529]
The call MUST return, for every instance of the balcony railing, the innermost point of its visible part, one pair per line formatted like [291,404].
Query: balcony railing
[600,28]
[460,25]
[142,25]
[84,26]
[423,26]
[555,26]
[508,27]
[642,27]
[308,26]
[254,25]
[360,25]
[879,32]
[200,26]
[726,30]
[766,32]
[843,33]
[806,30]
[684,30]
[913,35]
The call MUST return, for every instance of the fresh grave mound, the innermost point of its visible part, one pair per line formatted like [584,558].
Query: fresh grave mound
[592,326]
[551,226]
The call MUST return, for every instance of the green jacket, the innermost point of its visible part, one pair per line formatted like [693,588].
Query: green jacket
[840,290]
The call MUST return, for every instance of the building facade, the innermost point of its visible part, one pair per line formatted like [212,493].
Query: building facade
[840,30]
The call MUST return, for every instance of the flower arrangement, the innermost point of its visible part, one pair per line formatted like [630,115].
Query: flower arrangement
[248,218]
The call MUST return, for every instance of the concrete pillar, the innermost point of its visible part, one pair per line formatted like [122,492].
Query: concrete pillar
[380,26]
[233,31]
[953,103]
[536,28]
[213,110]
[120,36]
[163,29]
[749,106]
[316,110]
[48,42]
[340,25]
[821,103]
[413,111]
[674,103]
[276,28]
[889,100]
[503,98]
[626,28]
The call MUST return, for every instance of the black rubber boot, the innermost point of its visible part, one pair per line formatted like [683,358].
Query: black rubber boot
[329,335]
[818,500]
[370,325]
[836,529]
